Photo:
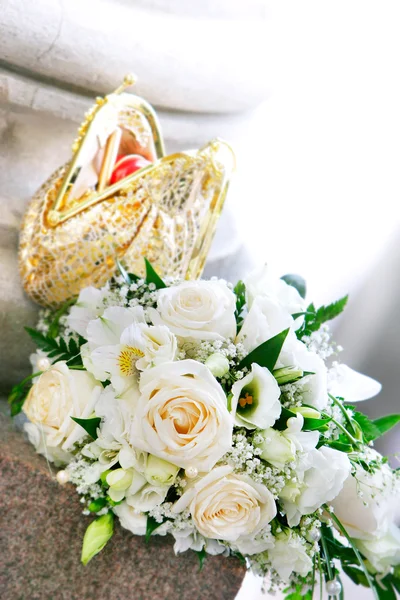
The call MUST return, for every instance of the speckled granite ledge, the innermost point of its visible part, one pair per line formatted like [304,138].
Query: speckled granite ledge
[41,531]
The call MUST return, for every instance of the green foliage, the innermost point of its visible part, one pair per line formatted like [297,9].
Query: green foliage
[384,424]
[151,526]
[19,393]
[96,536]
[314,318]
[58,349]
[97,505]
[129,278]
[54,327]
[267,353]
[309,424]
[297,282]
[89,425]
[153,277]
[240,292]
[202,557]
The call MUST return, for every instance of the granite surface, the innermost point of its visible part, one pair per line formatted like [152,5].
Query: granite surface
[41,530]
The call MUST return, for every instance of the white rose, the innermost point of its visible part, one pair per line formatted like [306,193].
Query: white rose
[197,309]
[134,521]
[181,415]
[382,552]
[59,394]
[367,503]
[266,318]
[52,453]
[314,388]
[262,283]
[321,479]
[255,399]
[289,555]
[227,506]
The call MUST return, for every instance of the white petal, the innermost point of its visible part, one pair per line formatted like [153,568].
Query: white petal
[352,385]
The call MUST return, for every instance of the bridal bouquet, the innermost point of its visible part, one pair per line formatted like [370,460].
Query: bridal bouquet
[219,415]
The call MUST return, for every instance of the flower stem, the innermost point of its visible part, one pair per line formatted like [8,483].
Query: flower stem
[356,552]
[343,410]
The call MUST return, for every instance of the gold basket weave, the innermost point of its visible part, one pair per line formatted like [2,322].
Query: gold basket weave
[77,225]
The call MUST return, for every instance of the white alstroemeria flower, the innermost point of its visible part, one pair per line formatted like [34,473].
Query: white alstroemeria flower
[201,310]
[368,502]
[314,388]
[281,447]
[111,446]
[351,385]
[255,399]
[181,415]
[227,506]
[290,556]
[190,539]
[121,343]
[383,551]
[89,306]
[266,318]
[261,282]
[320,480]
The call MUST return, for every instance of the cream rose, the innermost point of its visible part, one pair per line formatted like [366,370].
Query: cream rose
[227,506]
[181,415]
[197,309]
[59,394]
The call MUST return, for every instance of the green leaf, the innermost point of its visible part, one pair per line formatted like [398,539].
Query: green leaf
[202,557]
[281,423]
[388,593]
[240,292]
[384,424]
[153,277]
[313,319]
[356,575]
[57,349]
[96,536]
[369,430]
[342,447]
[54,328]
[97,504]
[297,282]
[316,424]
[267,353]
[19,393]
[123,272]
[151,526]
[89,425]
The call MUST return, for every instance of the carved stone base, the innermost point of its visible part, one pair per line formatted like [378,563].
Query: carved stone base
[41,533]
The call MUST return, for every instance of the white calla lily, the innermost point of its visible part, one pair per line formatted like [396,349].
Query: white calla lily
[351,385]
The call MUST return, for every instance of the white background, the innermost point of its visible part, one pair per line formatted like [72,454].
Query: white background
[327,165]
[327,200]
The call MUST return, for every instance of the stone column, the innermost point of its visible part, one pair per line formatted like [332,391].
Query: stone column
[200,63]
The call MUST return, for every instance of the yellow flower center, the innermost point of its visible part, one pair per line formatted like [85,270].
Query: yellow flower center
[127,359]
[247,399]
